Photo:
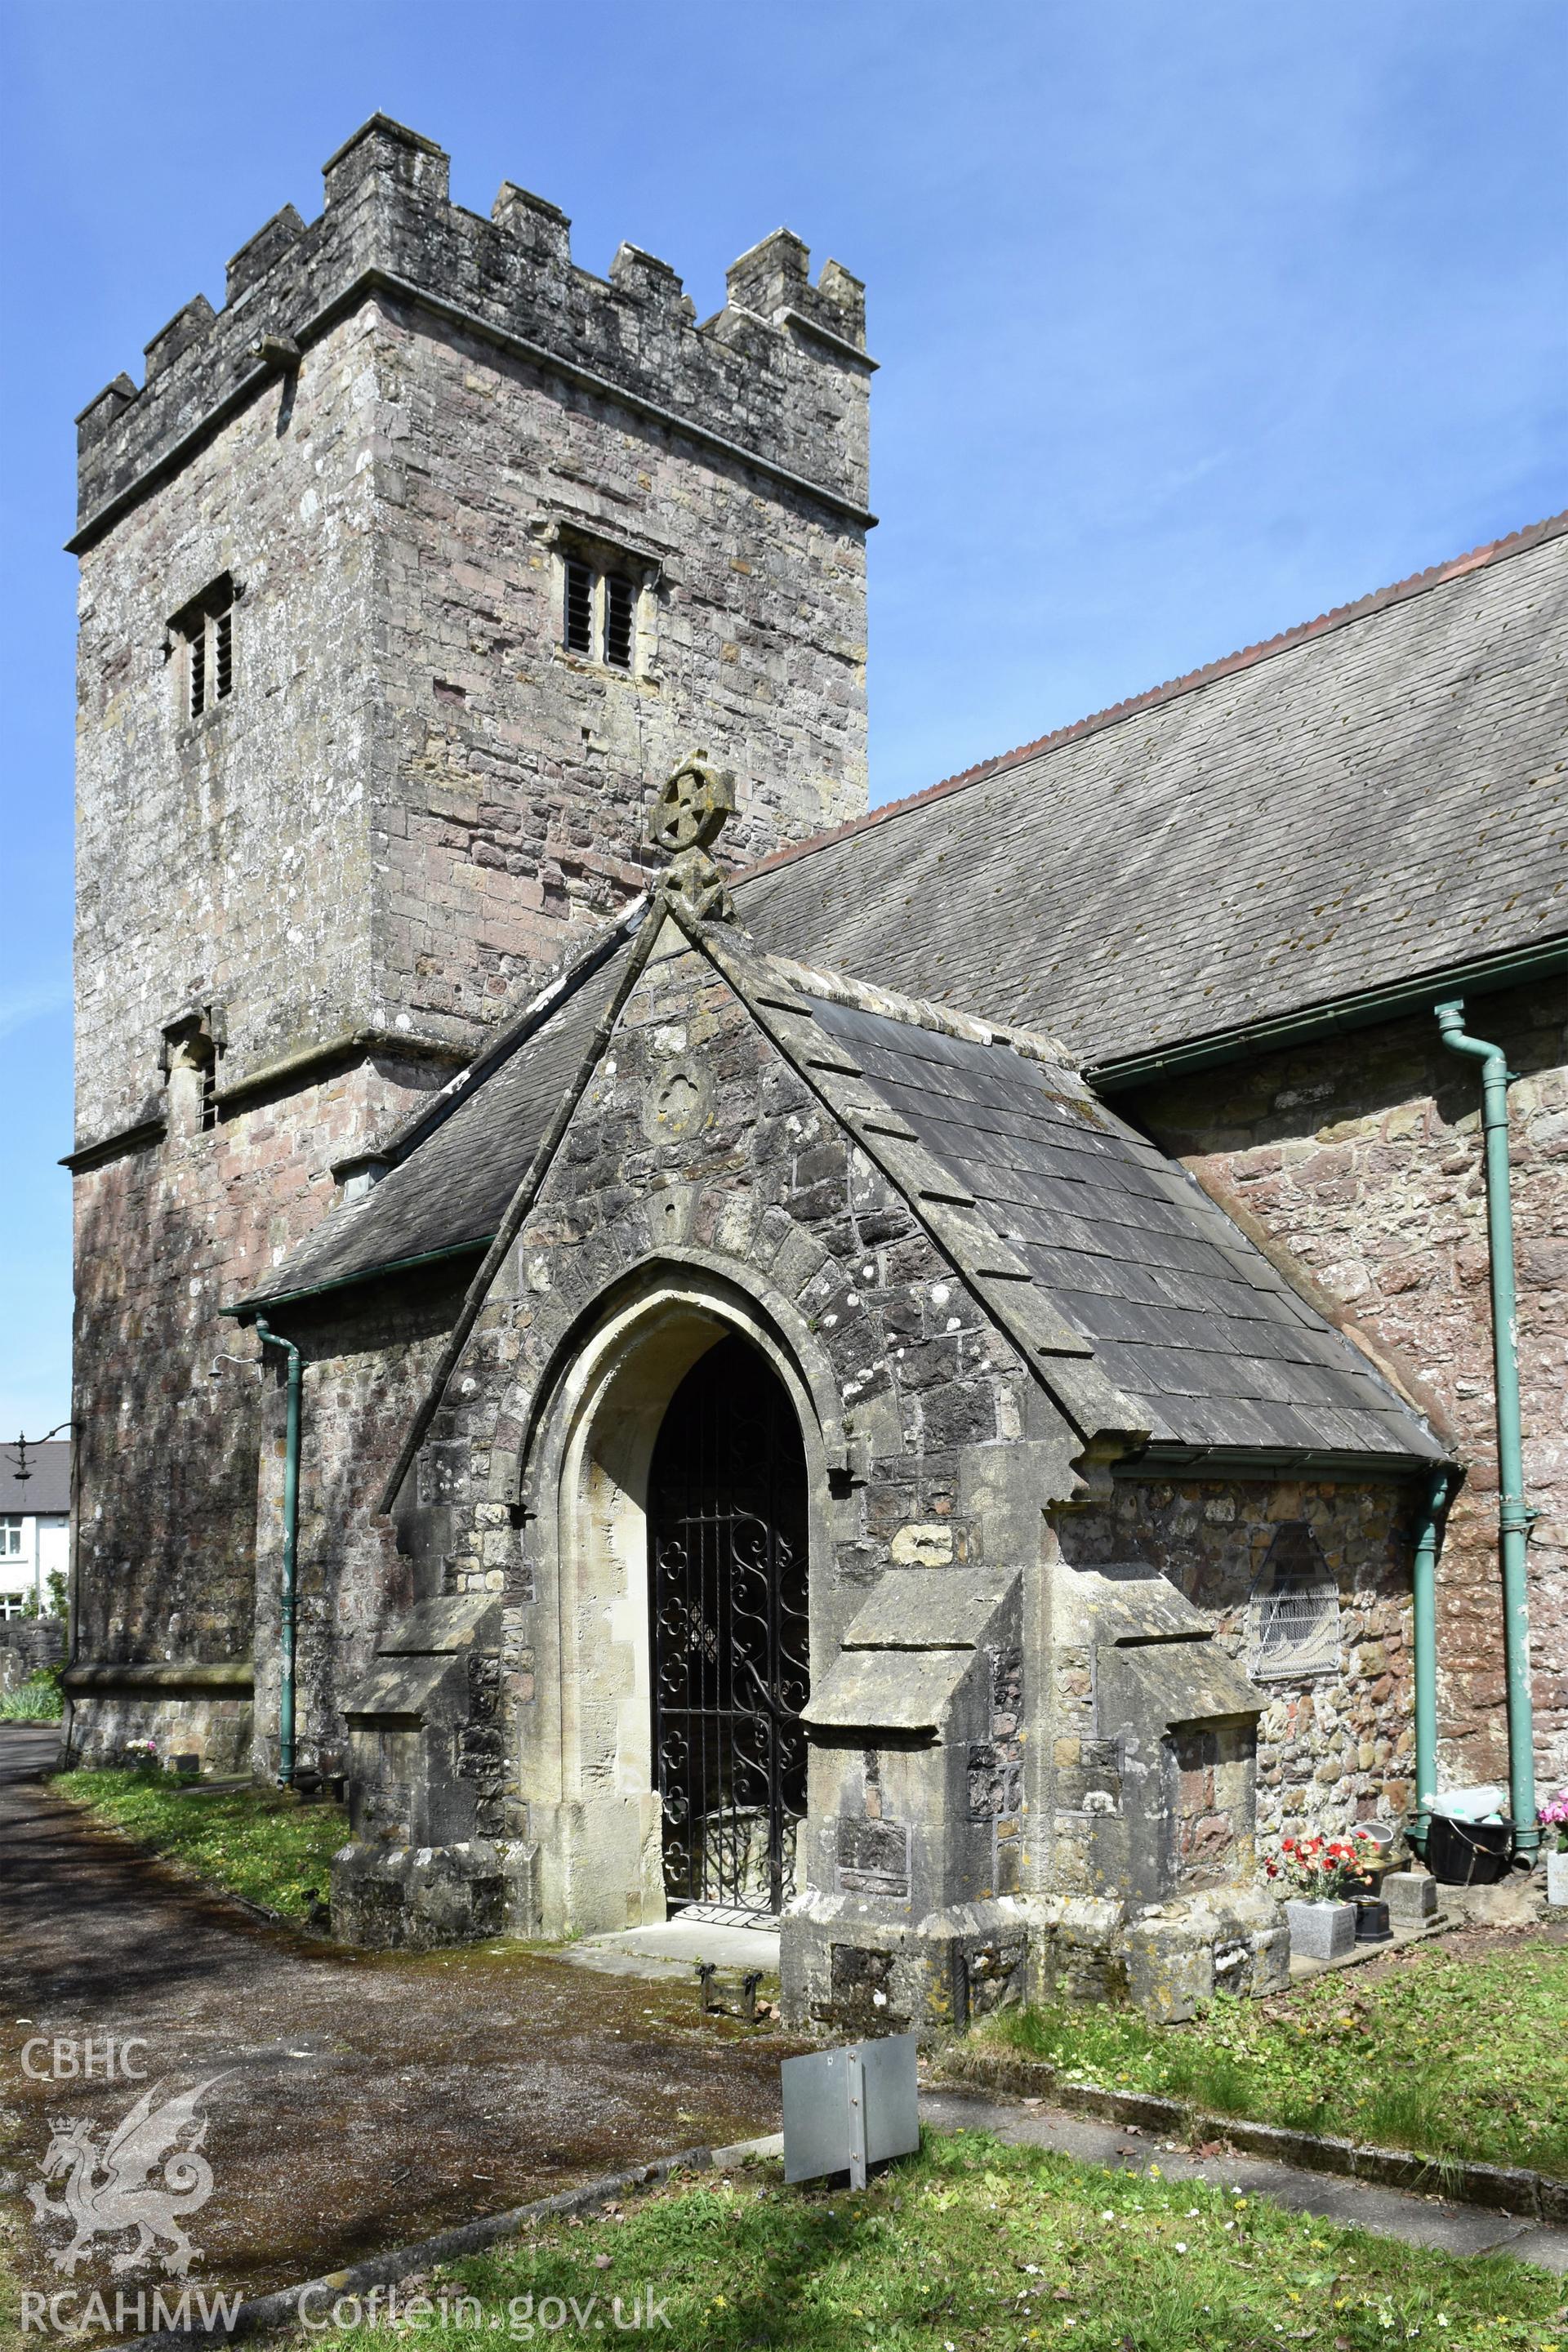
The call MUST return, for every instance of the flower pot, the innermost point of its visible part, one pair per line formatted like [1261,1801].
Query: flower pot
[1320,1931]
[1557,1878]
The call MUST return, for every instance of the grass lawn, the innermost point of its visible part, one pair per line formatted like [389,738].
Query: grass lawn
[1453,2055]
[33,1702]
[263,1844]
[971,2244]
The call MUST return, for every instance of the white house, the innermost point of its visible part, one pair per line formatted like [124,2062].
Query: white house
[35,1523]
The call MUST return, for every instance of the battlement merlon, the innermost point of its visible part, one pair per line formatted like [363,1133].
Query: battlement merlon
[777,378]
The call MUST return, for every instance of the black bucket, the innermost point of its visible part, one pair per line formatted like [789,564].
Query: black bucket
[1468,1854]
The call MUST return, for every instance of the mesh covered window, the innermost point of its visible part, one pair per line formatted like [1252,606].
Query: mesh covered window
[1294,1614]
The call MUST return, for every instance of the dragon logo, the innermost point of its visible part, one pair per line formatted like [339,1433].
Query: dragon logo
[108,2184]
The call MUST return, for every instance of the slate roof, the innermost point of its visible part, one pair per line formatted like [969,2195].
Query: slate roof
[1379,795]
[47,1492]
[1382,793]
[451,1189]
[1185,1314]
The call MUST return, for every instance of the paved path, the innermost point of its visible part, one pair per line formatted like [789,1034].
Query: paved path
[362,2100]
[1390,2213]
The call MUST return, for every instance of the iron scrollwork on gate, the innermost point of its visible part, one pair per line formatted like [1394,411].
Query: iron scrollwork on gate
[730,1670]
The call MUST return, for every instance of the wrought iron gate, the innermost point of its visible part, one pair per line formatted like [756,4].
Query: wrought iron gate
[727,1573]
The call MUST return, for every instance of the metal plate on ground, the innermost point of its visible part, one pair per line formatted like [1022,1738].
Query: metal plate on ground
[846,2108]
[727,1915]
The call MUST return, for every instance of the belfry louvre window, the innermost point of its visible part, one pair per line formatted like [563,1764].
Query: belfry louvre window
[206,627]
[619,607]
[579,608]
[599,610]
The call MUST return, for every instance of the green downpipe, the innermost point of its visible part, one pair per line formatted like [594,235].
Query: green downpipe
[289,1611]
[1514,1514]
[1424,1581]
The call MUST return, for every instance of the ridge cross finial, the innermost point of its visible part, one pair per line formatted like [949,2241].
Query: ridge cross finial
[686,819]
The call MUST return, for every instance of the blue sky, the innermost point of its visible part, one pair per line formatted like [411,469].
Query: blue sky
[1194,320]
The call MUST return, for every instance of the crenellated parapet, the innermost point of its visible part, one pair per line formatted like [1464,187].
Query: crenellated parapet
[778,376]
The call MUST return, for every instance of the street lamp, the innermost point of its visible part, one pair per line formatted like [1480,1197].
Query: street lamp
[21,1474]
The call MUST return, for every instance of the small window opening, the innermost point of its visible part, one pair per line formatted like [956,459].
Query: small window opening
[579,609]
[618,609]
[1294,1614]
[192,1047]
[206,627]
[1290,1614]
[599,610]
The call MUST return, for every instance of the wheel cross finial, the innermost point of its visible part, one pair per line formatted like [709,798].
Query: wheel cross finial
[686,819]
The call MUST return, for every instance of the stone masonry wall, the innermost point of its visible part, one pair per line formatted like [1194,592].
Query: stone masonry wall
[768,1184]
[755,1175]
[413,790]
[367,1357]
[1335,1746]
[1360,1161]
[766,1179]
[225,860]
[27,1647]
[168,1447]
[512,808]
[774,373]
[386,832]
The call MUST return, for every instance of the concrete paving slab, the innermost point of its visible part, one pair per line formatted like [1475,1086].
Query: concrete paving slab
[1418,2221]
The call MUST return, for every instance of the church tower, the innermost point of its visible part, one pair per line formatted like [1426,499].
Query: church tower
[404,578]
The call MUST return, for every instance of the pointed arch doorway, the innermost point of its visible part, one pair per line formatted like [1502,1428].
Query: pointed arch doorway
[728,1616]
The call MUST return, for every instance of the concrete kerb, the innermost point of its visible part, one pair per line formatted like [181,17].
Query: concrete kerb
[271,2311]
[1495,2187]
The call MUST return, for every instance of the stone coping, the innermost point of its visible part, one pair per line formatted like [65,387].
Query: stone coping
[1303,1966]
[1500,2188]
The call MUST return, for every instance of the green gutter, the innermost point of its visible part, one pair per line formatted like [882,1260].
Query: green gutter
[1514,1514]
[289,1611]
[1330,1018]
[245,1310]
[1168,1458]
